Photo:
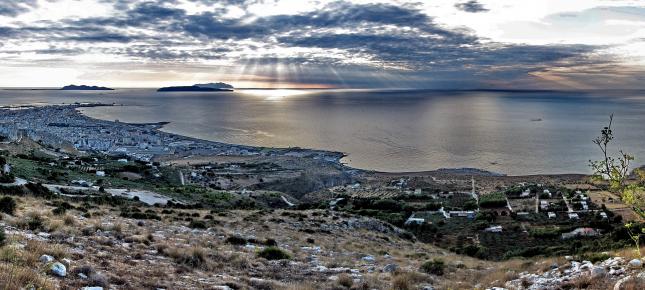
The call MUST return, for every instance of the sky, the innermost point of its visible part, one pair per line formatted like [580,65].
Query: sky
[497,44]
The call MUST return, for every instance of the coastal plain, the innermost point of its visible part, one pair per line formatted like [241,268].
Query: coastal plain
[114,204]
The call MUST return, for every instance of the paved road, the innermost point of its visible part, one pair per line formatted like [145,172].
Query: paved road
[145,196]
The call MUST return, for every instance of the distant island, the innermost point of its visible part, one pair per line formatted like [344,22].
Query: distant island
[215,85]
[210,87]
[85,88]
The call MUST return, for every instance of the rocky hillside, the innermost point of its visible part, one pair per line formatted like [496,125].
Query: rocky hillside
[68,243]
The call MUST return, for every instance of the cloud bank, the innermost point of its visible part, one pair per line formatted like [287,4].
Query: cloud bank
[336,43]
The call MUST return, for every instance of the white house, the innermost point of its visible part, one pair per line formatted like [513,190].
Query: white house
[494,229]
[414,221]
[551,215]
[548,192]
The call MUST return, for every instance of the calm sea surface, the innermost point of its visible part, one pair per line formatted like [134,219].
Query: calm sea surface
[508,132]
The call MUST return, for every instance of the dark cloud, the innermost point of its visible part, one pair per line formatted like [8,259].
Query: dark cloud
[7,31]
[471,6]
[16,7]
[360,39]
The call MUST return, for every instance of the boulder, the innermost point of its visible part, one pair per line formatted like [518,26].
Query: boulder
[597,272]
[389,268]
[44,235]
[620,282]
[46,259]
[369,259]
[617,272]
[635,264]
[58,269]
[92,288]
[66,262]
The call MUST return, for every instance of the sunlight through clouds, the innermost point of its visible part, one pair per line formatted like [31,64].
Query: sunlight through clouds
[430,44]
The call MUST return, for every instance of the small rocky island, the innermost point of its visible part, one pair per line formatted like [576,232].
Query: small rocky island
[210,87]
[85,88]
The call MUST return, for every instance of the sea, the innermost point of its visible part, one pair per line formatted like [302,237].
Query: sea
[508,132]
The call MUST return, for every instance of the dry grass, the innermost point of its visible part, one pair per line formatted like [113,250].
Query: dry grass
[586,282]
[14,277]
[302,286]
[38,248]
[345,280]
[69,220]
[408,280]
[628,253]
[193,257]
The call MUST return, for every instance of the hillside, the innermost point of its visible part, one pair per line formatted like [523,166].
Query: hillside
[121,244]
[297,222]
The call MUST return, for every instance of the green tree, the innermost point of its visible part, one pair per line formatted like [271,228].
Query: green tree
[616,171]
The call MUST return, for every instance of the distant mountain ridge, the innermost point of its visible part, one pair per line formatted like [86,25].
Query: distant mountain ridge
[85,88]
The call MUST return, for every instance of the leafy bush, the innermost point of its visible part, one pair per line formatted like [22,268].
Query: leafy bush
[135,213]
[387,204]
[7,178]
[35,222]
[545,232]
[7,205]
[433,206]
[396,219]
[38,189]
[595,257]
[197,224]
[59,210]
[236,240]
[491,200]
[435,267]
[274,253]
[3,236]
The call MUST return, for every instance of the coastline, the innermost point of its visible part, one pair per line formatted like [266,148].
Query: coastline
[450,171]
[457,171]
[65,123]
[335,157]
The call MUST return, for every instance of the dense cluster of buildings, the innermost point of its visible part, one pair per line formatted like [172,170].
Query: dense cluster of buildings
[65,127]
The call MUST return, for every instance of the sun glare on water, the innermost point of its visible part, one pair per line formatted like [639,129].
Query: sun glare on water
[277,94]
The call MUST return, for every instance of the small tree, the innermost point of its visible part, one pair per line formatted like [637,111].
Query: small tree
[613,169]
[616,170]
